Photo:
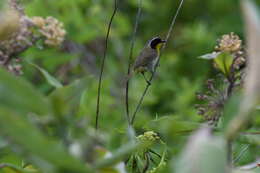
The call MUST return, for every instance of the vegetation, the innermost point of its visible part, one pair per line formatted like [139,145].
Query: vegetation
[66,104]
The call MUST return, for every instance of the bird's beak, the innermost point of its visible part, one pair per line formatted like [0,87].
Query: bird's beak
[163,41]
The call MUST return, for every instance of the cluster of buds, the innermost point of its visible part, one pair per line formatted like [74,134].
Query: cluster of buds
[229,42]
[229,59]
[19,32]
[148,136]
[51,29]
[148,139]
[15,67]
[232,44]
[213,103]
[18,41]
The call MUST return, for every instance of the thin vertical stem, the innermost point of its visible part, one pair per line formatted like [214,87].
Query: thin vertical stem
[229,153]
[103,64]
[158,61]
[138,15]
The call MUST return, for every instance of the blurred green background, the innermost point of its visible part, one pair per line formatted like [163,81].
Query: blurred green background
[180,75]
[168,107]
[170,101]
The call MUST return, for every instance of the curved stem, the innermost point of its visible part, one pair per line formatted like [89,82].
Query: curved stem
[158,61]
[138,15]
[103,63]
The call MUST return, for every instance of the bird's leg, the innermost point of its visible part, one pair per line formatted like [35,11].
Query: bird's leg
[147,81]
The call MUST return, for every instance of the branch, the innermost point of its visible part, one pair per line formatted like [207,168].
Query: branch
[158,61]
[131,58]
[103,63]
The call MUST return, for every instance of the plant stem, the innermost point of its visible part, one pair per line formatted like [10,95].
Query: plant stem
[103,64]
[229,153]
[130,60]
[157,63]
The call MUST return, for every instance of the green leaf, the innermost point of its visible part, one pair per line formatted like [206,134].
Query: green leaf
[231,109]
[30,168]
[83,104]
[172,125]
[10,168]
[67,98]
[46,153]
[209,56]
[49,78]
[224,62]
[162,163]
[204,153]
[121,154]
[21,96]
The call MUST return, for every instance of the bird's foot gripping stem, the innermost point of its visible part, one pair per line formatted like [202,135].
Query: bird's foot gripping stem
[147,81]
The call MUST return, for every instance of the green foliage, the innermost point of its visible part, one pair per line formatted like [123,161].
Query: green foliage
[50,79]
[66,99]
[224,61]
[231,110]
[52,106]
[10,168]
[21,95]
[47,153]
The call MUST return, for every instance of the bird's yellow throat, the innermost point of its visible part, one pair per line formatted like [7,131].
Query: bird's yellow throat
[158,47]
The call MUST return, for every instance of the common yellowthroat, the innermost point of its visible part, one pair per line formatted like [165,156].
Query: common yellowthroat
[148,57]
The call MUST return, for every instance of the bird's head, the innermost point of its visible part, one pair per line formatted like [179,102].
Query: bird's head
[156,43]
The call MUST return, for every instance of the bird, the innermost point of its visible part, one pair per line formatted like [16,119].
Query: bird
[148,57]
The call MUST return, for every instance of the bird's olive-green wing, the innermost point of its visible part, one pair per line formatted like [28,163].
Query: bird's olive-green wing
[146,57]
